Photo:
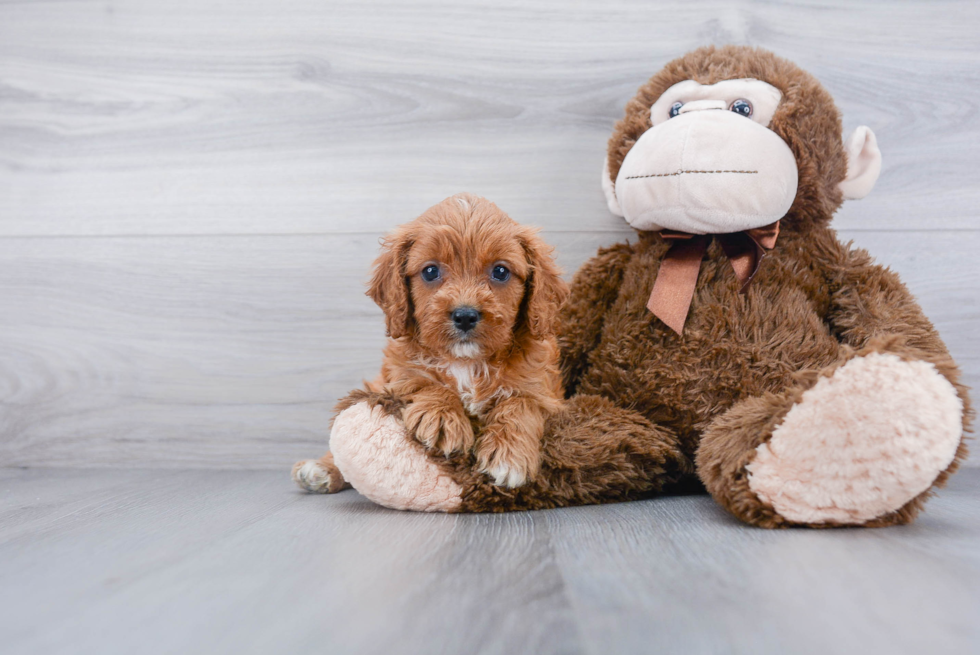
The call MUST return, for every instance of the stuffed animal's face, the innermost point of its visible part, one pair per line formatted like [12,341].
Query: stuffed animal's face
[725,140]
[709,163]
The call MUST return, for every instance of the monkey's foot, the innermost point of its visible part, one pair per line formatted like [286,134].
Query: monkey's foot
[374,454]
[861,443]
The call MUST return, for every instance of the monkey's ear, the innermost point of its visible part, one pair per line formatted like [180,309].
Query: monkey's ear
[545,291]
[389,284]
[609,188]
[863,164]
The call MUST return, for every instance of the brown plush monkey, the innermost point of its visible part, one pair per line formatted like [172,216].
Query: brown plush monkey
[738,342]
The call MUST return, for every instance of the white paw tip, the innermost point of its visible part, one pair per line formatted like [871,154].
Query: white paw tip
[507,476]
[310,475]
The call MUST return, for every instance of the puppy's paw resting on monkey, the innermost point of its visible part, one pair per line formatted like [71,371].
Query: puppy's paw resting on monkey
[438,425]
[510,461]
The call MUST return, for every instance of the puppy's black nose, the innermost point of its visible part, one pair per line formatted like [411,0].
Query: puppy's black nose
[465,318]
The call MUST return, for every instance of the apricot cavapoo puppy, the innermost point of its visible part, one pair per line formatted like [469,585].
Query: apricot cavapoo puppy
[471,299]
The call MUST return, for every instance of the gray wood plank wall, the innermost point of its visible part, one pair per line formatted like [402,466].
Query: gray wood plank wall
[191,192]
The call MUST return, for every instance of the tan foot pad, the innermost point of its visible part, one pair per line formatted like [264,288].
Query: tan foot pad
[372,452]
[861,443]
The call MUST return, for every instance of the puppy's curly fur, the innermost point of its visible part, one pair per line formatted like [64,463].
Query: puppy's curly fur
[488,386]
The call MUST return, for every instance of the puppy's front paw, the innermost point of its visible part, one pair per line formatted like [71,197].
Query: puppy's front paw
[438,427]
[509,463]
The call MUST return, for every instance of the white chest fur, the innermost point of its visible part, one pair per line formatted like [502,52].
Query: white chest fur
[467,376]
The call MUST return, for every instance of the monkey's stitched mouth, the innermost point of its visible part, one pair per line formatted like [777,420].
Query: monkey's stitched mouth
[676,173]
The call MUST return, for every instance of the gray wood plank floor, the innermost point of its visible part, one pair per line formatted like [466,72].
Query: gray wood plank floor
[150,561]
[191,192]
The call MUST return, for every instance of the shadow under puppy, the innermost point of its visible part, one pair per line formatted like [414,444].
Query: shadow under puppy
[471,300]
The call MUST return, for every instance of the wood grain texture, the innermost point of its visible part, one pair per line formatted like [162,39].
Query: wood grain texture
[240,562]
[144,117]
[191,192]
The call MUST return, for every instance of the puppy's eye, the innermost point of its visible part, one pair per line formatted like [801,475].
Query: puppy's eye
[500,273]
[430,273]
[742,107]
[675,109]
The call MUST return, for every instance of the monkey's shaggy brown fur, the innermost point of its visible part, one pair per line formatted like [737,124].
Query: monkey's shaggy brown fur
[744,360]
[649,408]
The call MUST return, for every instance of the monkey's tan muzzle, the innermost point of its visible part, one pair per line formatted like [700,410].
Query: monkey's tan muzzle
[708,171]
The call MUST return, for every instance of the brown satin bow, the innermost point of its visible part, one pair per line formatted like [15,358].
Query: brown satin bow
[673,289]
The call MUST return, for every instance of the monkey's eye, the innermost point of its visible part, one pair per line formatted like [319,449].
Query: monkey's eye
[430,273]
[500,273]
[675,109]
[742,107]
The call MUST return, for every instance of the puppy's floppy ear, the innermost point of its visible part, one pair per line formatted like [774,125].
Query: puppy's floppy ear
[545,291]
[389,283]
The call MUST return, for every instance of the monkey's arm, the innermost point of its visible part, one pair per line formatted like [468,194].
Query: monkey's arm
[871,309]
[859,442]
[869,302]
[593,291]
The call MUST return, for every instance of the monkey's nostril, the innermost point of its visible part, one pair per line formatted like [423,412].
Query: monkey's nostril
[465,318]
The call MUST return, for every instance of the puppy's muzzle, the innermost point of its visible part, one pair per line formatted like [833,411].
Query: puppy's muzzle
[465,318]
